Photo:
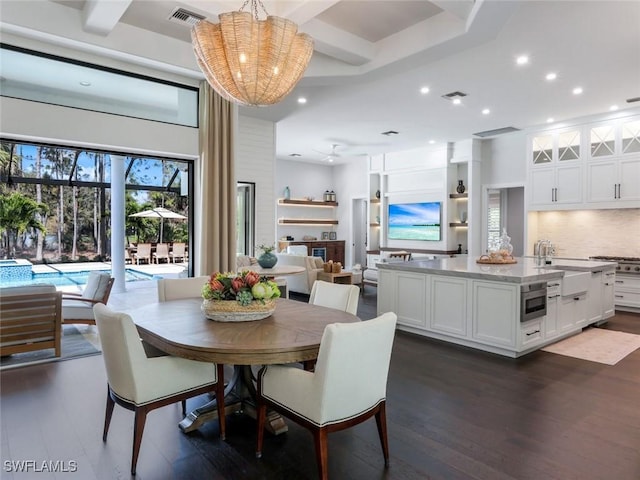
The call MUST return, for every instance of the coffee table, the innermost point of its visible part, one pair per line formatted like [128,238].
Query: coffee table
[342,277]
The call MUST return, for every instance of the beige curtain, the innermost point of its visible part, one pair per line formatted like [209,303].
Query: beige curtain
[217,205]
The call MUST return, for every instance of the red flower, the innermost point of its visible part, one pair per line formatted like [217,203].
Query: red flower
[216,285]
[251,278]
[237,283]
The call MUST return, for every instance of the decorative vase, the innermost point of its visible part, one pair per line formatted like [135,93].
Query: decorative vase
[460,188]
[232,311]
[287,193]
[267,260]
[378,194]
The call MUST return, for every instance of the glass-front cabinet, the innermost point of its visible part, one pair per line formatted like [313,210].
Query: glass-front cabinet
[594,165]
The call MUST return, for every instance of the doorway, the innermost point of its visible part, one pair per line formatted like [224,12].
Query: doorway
[359,231]
[504,208]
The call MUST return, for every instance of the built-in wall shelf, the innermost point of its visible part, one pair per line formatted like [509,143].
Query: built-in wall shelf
[458,195]
[306,221]
[458,224]
[375,200]
[307,203]
[374,224]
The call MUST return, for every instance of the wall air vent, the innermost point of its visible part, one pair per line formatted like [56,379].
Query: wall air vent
[388,133]
[180,15]
[497,131]
[634,99]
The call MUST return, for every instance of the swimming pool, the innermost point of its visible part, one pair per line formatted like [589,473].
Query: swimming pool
[65,279]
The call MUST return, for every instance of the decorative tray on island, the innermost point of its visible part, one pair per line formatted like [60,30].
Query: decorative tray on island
[496,259]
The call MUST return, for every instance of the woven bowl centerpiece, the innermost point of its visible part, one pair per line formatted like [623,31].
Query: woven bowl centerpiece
[239,297]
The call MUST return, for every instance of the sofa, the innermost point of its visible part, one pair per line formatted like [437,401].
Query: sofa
[301,282]
[244,262]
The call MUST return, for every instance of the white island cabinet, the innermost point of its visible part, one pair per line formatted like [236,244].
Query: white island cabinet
[460,301]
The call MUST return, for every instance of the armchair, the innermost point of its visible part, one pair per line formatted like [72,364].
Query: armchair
[323,401]
[78,307]
[301,282]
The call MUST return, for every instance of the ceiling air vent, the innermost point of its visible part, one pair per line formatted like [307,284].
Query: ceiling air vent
[180,15]
[634,99]
[497,131]
[388,133]
[453,95]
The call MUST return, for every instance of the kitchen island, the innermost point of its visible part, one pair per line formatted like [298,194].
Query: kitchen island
[508,309]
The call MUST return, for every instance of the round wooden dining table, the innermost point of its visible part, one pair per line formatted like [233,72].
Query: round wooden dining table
[291,334]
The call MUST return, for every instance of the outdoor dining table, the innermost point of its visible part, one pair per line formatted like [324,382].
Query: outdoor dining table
[291,334]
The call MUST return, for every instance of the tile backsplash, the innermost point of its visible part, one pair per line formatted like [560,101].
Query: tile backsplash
[585,233]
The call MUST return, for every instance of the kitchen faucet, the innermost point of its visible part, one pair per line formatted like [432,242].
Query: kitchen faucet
[542,245]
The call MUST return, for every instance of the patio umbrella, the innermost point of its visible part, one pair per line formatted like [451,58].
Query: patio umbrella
[161,213]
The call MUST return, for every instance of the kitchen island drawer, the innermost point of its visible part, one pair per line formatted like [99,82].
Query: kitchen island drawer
[531,333]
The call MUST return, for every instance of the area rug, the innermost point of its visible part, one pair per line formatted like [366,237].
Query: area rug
[597,345]
[75,344]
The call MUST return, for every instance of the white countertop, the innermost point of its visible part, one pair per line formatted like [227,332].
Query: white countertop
[524,271]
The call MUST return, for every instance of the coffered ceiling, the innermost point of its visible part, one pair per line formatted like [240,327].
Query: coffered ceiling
[372,58]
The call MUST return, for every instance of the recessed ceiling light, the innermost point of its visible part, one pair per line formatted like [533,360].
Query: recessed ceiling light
[302,100]
[577,90]
[551,76]
[550,120]
[330,159]
[431,142]
[456,101]
[522,60]
[486,111]
[85,84]
[424,90]
[613,108]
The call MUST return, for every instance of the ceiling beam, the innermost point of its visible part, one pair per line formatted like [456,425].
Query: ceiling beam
[101,16]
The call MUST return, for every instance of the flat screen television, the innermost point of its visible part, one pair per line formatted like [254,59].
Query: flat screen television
[415,221]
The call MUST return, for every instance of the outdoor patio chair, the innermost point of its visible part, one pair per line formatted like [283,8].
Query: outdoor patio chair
[78,307]
[143,252]
[162,251]
[179,251]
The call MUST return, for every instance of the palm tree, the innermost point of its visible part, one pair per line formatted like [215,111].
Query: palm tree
[18,213]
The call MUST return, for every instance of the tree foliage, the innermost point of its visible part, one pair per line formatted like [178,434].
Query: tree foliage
[18,214]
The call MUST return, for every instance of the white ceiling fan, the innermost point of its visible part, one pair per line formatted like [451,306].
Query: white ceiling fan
[332,155]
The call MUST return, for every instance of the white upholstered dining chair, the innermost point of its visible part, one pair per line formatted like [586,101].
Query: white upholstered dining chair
[347,387]
[335,295]
[177,288]
[142,384]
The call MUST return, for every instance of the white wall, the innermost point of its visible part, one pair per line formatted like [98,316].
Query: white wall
[504,159]
[304,180]
[255,162]
[350,180]
[34,121]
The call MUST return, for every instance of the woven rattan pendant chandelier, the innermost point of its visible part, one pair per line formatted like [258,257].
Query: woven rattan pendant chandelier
[250,61]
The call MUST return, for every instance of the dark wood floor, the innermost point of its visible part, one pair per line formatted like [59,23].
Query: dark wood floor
[453,413]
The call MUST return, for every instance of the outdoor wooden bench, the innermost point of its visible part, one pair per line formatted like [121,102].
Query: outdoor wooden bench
[30,319]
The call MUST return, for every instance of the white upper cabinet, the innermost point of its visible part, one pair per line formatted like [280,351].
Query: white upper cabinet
[555,148]
[589,166]
[613,139]
[614,183]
